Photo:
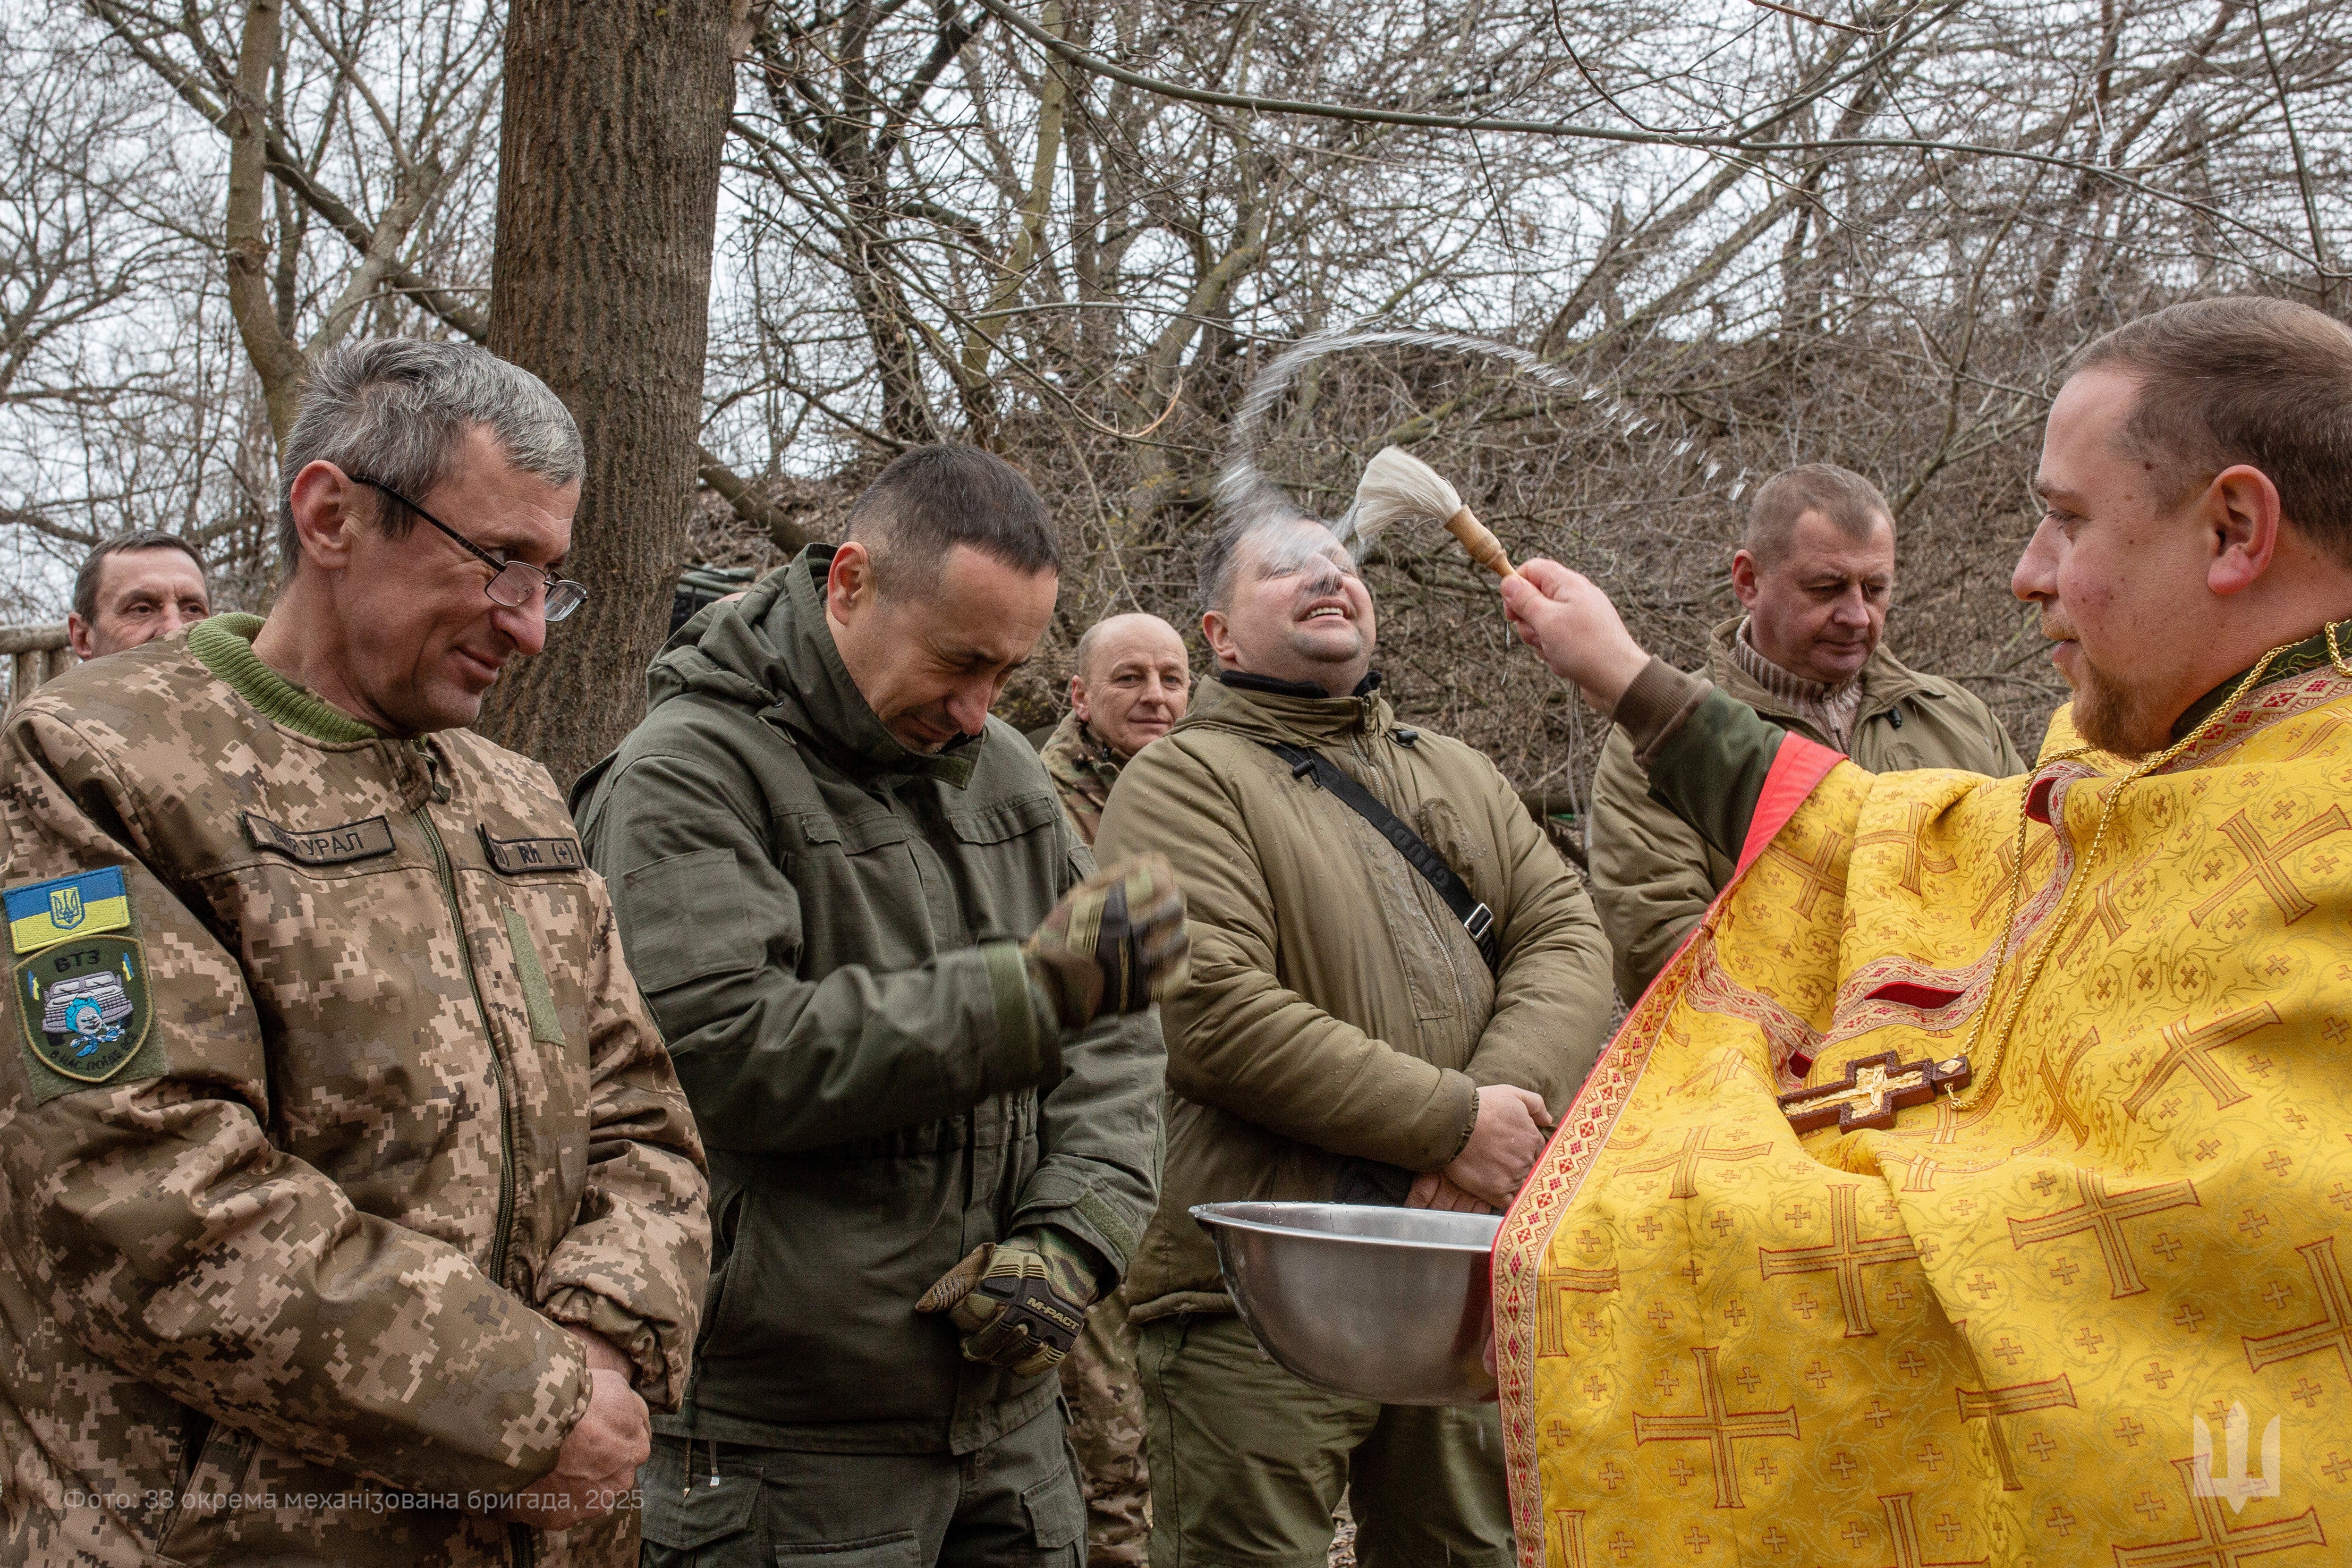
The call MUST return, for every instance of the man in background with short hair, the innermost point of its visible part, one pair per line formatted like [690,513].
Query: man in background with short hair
[1129,682]
[913,1025]
[1814,574]
[132,589]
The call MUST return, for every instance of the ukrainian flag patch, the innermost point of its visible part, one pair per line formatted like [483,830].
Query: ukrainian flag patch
[43,913]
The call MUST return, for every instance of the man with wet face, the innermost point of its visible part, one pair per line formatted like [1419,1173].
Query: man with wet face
[373,1177]
[1815,575]
[914,1026]
[132,589]
[1344,1036]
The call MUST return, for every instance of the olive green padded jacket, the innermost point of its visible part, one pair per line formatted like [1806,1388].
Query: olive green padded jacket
[826,926]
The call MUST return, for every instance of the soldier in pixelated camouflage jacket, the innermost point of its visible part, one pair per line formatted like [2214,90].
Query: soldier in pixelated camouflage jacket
[289,1251]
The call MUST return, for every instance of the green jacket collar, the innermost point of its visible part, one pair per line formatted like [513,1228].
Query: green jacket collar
[1263,714]
[773,650]
[2300,659]
[224,644]
[1885,679]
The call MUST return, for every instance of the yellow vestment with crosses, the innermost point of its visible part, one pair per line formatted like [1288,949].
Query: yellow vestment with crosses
[2004,1329]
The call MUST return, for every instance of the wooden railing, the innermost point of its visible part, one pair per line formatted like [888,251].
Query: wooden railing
[35,655]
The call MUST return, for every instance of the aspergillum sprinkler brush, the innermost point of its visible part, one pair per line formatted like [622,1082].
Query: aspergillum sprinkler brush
[1398,487]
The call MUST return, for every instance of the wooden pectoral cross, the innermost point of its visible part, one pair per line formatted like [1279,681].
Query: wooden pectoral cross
[1876,1087]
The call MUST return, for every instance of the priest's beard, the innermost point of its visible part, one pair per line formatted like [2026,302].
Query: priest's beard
[2116,718]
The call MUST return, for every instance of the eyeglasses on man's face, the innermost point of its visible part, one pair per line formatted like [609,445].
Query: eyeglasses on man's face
[517,584]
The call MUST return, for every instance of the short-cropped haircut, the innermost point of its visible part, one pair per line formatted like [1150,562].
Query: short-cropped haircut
[1850,503]
[85,591]
[2265,382]
[395,410]
[933,498]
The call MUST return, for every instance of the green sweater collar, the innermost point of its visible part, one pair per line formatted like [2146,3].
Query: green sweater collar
[224,644]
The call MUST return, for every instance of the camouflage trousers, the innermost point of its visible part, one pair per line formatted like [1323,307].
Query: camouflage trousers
[1106,1434]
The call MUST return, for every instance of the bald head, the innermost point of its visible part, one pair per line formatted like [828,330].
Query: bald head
[1131,679]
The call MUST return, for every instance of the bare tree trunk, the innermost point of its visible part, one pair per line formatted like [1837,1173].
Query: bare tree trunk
[608,194]
[275,358]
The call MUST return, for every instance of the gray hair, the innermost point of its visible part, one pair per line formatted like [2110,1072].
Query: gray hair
[85,589]
[396,409]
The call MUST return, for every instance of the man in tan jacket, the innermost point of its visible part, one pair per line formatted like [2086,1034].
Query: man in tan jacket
[1814,573]
[1342,1035]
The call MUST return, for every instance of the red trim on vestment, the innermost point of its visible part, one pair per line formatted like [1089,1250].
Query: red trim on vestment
[1797,766]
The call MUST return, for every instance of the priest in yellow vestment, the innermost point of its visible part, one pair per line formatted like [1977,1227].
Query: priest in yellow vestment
[1975,1188]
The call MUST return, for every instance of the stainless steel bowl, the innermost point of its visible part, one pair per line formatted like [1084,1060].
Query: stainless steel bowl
[1391,1304]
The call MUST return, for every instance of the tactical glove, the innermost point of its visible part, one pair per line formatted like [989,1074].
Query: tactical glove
[1116,943]
[1021,1302]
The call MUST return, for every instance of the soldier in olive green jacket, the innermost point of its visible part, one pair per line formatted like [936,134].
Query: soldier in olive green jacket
[1815,572]
[825,858]
[1341,1037]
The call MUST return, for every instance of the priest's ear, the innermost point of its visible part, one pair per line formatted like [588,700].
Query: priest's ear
[2240,509]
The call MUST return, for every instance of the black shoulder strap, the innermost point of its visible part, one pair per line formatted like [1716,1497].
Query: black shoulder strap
[1475,917]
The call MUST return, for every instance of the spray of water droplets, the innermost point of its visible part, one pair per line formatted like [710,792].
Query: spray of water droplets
[1243,488]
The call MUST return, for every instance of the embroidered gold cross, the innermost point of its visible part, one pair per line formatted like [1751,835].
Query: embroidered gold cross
[2332,1332]
[1684,1160]
[1818,874]
[2182,1048]
[1846,1254]
[2216,1541]
[2266,863]
[1717,1426]
[2103,1213]
[1914,859]
[1990,1405]
[2000,888]
[2107,917]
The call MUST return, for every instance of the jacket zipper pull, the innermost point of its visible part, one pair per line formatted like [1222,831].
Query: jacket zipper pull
[714,1464]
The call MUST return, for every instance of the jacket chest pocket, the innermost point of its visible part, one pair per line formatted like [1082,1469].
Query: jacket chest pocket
[861,887]
[1009,859]
[540,906]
